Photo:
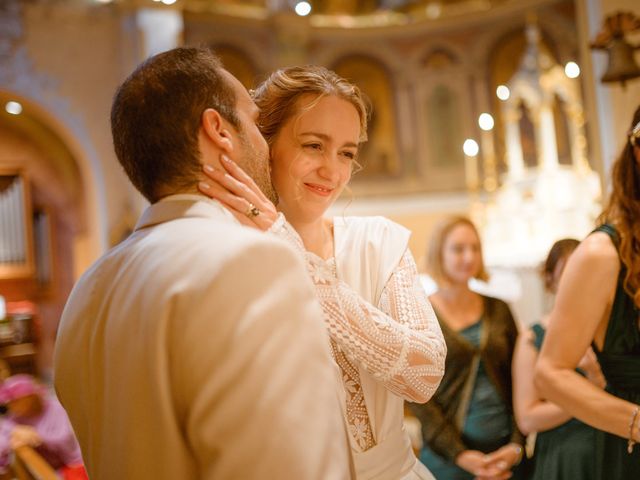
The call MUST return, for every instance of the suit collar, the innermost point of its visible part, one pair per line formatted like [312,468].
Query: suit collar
[183,206]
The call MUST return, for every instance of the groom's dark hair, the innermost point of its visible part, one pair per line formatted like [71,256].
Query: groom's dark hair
[156,115]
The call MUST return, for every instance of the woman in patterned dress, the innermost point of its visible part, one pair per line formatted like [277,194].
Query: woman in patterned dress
[385,338]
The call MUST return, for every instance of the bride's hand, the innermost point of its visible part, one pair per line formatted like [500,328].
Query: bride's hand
[239,194]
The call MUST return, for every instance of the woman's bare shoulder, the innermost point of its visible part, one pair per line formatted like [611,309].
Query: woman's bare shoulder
[597,248]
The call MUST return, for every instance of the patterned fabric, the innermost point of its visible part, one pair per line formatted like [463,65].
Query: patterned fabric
[382,340]
[356,409]
[379,339]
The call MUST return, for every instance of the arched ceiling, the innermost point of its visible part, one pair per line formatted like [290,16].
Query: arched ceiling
[352,13]
[343,7]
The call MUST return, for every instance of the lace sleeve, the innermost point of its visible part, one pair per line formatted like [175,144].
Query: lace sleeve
[400,343]
[283,229]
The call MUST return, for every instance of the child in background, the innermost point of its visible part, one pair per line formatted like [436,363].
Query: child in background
[36,418]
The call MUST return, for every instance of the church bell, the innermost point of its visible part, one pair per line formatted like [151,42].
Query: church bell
[622,65]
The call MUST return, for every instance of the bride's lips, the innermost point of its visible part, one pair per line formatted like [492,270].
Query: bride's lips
[319,189]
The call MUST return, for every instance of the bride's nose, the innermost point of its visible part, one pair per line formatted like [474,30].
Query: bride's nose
[329,168]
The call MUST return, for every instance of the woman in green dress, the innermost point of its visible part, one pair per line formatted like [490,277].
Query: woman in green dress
[564,446]
[468,426]
[598,304]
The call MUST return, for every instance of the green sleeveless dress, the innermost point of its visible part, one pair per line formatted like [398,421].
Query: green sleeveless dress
[620,363]
[565,452]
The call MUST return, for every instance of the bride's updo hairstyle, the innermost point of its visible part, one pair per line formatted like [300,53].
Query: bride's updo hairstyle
[277,97]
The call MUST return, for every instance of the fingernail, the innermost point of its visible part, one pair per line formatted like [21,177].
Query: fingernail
[204,186]
[209,168]
[227,159]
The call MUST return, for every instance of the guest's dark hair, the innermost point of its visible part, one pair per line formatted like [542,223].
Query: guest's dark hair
[558,252]
[156,116]
[623,212]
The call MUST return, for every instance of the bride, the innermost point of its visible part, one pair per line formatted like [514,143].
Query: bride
[384,335]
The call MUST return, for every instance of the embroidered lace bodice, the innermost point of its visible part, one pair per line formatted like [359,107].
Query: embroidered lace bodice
[398,342]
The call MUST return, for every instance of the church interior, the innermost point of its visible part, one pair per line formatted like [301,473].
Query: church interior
[494,109]
[508,111]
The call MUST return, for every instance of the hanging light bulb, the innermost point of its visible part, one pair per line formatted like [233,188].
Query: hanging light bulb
[14,108]
[485,121]
[572,70]
[303,8]
[470,147]
[503,92]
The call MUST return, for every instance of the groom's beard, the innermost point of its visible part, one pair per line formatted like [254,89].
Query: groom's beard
[256,165]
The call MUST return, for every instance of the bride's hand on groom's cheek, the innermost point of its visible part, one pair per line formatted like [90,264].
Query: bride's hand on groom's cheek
[232,187]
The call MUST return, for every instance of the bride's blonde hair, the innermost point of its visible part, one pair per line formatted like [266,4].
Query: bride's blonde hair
[277,96]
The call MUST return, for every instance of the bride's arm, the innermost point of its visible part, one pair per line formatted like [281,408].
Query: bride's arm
[400,343]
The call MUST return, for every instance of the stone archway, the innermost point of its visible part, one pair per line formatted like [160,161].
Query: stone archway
[63,198]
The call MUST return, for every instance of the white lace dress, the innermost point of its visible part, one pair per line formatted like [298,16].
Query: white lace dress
[384,336]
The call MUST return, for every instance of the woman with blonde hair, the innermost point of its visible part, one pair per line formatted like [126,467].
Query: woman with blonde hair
[468,427]
[384,336]
[598,304]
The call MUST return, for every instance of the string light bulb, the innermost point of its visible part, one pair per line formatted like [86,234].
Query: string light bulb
[503,92]
[303,8]
[572,70]
[485,121]
[14,108]
[470,147]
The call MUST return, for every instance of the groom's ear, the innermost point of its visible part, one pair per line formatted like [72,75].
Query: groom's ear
[217,129]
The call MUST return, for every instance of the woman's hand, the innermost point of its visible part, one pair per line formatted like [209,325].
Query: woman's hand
[481,466]
[504,459]
[24,435]
[239,194]
[590,366]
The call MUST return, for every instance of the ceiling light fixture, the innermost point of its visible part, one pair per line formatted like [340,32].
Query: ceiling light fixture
[503,92]
[470,147]
[572,70]
[303,8]
[485,121]
[14,108]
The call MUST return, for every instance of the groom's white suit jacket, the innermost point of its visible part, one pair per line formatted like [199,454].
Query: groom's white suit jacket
[196,349]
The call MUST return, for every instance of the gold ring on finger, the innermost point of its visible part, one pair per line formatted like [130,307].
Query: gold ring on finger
[252,211]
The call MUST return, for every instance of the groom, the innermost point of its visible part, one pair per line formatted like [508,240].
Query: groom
[195,349]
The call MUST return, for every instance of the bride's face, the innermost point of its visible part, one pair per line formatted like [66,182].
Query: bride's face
[313,154]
